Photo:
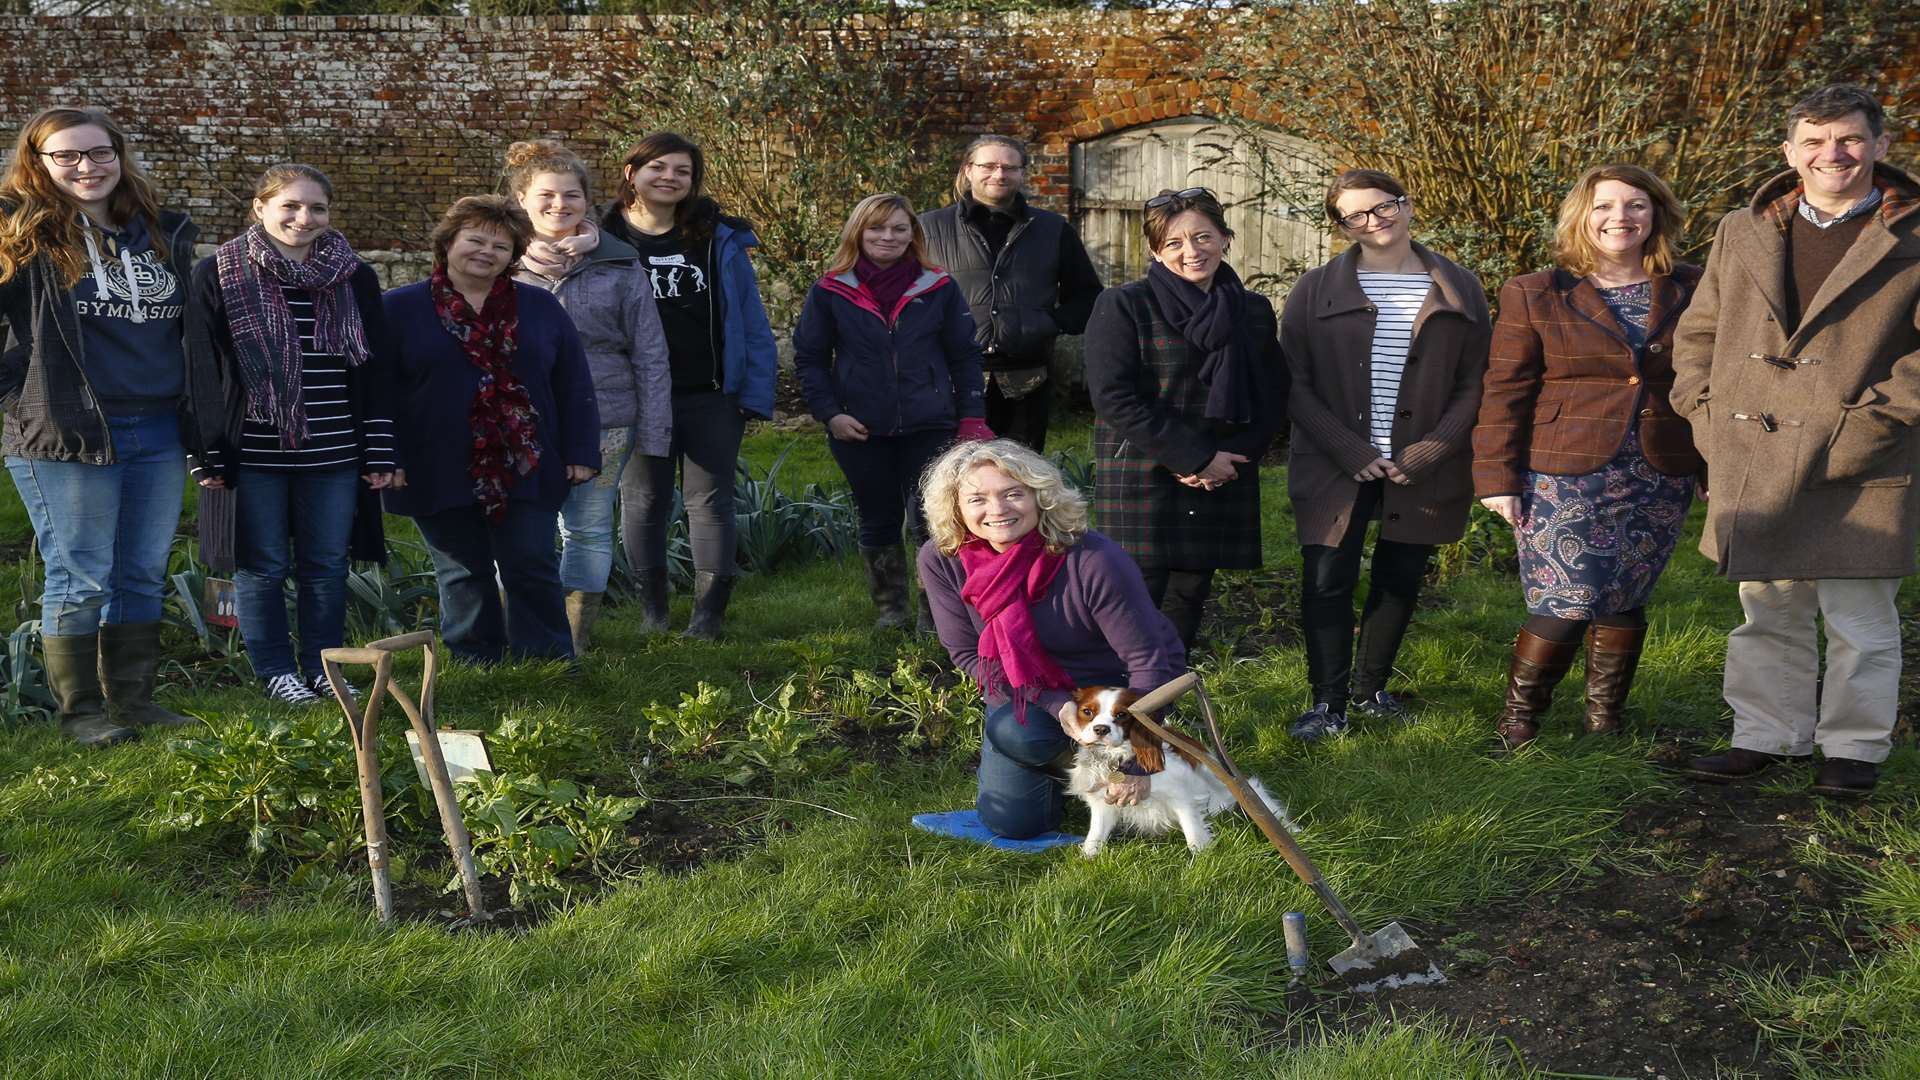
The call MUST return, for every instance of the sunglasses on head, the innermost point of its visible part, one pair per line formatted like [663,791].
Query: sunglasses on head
[1178,196]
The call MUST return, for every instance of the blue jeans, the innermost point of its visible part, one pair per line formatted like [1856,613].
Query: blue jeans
[296,522]
[586,518]
[475,560]
[105,530]
[1021,796]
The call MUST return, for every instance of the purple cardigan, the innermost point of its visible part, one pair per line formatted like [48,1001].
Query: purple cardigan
[1096,620]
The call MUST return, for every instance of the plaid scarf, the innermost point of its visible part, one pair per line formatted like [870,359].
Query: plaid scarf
[252,272]
[505,425]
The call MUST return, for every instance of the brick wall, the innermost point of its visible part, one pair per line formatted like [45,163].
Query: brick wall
[409,113]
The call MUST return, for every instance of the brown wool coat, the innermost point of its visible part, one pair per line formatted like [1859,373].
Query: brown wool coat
[1326,332]
[1810,433]
[1563,385]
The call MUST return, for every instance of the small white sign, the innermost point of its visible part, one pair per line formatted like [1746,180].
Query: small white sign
[465,753]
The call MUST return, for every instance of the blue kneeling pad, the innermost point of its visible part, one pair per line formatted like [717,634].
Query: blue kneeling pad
[966,825]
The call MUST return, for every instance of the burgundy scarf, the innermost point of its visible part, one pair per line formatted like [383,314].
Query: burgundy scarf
[887,284]
[1001,586]
[505,425]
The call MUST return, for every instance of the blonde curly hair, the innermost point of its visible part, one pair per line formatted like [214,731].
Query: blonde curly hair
[1063,510]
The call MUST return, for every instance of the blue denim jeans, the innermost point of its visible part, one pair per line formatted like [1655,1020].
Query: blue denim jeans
[105,530]
[586,518]
[475,560]
[298,523]
[1021,795]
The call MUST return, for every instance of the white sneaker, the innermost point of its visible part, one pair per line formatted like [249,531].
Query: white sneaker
[290,689]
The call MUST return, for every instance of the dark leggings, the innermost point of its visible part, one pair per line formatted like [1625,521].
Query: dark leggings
[707,427]
[1561,630]
[1022,793]
[1328,579]
[1181,595]
[883,473]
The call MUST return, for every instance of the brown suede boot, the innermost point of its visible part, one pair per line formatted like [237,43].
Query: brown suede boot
[1537,667]
[1613,654]
[583,610]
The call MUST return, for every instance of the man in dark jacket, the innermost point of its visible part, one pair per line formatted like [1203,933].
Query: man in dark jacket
[1798,363]
[1025,274]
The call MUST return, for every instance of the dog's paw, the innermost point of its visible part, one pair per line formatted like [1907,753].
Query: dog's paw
[1089,849]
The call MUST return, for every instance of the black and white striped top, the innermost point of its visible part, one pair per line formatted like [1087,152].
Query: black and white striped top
[1396,300]
[332,441]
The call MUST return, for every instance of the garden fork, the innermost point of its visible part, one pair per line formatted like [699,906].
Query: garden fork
[366,748]
[1377,961]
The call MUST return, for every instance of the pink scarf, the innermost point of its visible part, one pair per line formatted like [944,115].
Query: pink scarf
[1001,585]
[557,258]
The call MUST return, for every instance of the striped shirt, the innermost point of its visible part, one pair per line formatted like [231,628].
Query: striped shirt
[1397,299]
[332,439]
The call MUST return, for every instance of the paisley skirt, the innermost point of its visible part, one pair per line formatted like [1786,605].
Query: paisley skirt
[1594,544]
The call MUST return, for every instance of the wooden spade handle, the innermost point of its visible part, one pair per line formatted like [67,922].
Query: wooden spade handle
[1243,793]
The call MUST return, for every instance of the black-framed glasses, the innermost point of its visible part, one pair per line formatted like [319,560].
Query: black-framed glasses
[1386,211]
[1178,197]
[67,159]
[995,167]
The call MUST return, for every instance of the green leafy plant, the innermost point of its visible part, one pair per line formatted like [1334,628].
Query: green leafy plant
[543,742]
[693,726]
[289,783]
[395,599]
[26,696]
[533,830]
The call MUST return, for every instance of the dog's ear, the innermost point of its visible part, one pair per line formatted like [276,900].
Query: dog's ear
[1073,723]
[1146,748]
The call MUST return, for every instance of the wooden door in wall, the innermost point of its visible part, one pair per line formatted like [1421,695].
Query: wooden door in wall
[1270,183]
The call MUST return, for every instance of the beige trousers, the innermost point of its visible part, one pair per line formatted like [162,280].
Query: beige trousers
[1780,705]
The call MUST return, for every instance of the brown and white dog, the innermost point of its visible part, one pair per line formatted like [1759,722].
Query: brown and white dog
[1180,791]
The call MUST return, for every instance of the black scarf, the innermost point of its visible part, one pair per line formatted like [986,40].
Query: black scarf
[1213,321]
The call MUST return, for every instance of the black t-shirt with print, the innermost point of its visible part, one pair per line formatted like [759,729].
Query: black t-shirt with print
[689,309]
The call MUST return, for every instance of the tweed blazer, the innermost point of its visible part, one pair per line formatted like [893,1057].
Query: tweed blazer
[1326,332]
[1809,429]
[1564,386]
[1150,426]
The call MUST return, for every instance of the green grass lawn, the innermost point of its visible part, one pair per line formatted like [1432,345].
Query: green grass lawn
[838,941]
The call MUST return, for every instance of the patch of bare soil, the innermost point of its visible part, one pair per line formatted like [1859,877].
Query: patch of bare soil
[1631,973]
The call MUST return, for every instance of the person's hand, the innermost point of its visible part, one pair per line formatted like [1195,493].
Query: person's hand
[580,474]
[973,429]
[1128,790]
[1221,468]
[846,428]
[378,480]
[212,480]
[397,480]
[1507,506]
[1700,489]
[1382,469]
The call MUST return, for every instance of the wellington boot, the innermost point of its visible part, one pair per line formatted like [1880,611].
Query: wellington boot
[711,592]
[129,660]
[1613,654]
[73,674]
[1537,667]
[653,600]
[887,585]
[583,610]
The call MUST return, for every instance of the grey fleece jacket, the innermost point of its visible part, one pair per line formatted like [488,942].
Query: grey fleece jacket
[610,300]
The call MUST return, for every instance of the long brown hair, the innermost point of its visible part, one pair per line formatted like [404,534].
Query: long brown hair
[695,215]
[1574,251]
[42,220]
[871,211]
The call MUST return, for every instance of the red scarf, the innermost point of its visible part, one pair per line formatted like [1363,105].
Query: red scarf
[1001,586]
[505,425]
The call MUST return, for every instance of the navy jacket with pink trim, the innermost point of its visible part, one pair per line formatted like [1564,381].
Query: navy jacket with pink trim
[916,368]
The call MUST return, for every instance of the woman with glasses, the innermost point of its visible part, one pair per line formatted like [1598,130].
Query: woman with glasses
[886,358]
[1188,388]
[1386,344]
[1578,448]
[102,405]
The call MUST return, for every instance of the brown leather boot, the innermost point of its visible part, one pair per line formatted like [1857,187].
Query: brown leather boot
[1613,654]
[1538,666]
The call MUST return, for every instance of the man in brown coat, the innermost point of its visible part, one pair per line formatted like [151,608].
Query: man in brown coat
[1799,367]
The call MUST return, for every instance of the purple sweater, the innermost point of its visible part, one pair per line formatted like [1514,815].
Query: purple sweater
[1096,620]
